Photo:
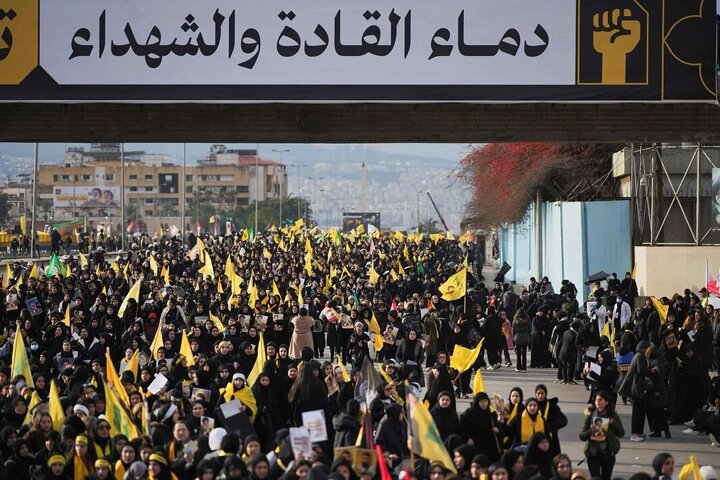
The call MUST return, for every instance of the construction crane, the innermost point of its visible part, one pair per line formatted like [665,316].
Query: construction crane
[438,212]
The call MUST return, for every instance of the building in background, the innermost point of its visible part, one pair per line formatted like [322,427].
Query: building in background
[87,185]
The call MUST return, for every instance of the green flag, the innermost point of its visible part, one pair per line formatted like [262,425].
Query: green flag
[420,268]
[55,267]
[251,234]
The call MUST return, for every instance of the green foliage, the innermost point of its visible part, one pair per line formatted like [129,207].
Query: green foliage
[429,226]
[269,213]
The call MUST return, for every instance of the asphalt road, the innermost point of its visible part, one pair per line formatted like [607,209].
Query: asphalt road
[633,457]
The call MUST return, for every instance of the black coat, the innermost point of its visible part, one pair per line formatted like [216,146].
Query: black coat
[346,428]
[476,424]
[568,350]
[446,420]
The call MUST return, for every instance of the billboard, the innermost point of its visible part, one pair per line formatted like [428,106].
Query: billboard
[340,50]
[86,197]
[351,220]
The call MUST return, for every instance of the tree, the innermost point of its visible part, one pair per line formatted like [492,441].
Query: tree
[269,213]
[45,206]
[4,208]
[505,178]
[429,226]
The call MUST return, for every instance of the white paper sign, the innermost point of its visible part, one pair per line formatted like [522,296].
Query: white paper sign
[592,352]
[230,408]
[595,368]
[315,422]
[300,441]
[157,384]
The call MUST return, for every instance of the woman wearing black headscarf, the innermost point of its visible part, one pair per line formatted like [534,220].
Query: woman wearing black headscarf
[445,415]
[440,381]
[308,393]
[479,426]
[538,454]
[267,418]
[347,425]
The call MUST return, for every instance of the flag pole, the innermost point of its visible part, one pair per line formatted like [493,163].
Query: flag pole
[410,431]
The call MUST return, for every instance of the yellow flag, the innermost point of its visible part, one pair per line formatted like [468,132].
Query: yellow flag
[220,288]
[345,374]
[301,300]
[83,260]
[229,268]
[373,276]
[66,319]
[20,364]
[117,417]
[253,296]
[478,383]
[134,364]
[308,264]
[406,253]
[275,289]
[691,470]
[157,341]
[245,235]
[449,235]
[55,407]
[34,401]
[8,276]
[374,327]
[267,254]
[185,349]
[259,362]
[454,287]
[34,271]
[165,274]
[217,322]
[464,358]
[23,224]
[153,264]
[661,309]
[425,436]
[134,293]
[465,261]
[207,270]
[401,270]
[114,380]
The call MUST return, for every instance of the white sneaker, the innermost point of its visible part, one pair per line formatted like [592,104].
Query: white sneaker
[691,432]
[637,438]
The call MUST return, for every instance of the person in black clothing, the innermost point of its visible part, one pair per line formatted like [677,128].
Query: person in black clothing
[479,426]
[445,415]
[569,352]
[466,335]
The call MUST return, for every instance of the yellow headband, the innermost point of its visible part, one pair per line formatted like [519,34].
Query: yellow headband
[102,463]
[156,457]
[82,439]
[55,459]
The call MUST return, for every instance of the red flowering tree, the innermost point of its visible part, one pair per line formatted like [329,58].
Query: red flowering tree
[505,177]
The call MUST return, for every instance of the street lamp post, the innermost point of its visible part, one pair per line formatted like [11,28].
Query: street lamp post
[280,193]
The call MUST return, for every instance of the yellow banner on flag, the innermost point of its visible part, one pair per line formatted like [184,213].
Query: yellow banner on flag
[20,364]
[464,358]
[455,286]
[426,440]
[55,407]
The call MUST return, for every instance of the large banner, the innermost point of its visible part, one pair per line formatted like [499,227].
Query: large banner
[344,50]
[86,197]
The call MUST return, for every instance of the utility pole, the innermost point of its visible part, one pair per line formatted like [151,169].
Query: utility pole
[34,202]
[122,196]
[182,196]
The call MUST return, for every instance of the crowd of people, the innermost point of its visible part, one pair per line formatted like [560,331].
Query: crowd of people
[226,345]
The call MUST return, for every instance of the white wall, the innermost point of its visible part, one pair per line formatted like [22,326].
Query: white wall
[663,271]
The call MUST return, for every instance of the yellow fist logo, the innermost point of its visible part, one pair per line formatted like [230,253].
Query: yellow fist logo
[615,35]
[18,40]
